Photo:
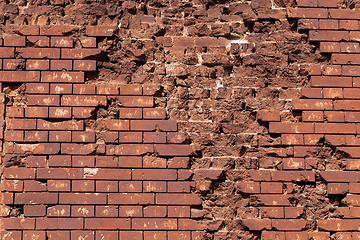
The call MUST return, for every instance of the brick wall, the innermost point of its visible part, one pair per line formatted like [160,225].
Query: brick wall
[179,120]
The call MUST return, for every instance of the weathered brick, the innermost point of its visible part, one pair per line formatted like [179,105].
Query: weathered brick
[71,77]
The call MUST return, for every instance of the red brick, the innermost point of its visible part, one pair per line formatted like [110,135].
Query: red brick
[60,112]
[61,42]
[177,199]
[51,53]
[106,211]
[57,30]
[347,105]
[83,136]
[154,174]
[84,89]
[179,211]
[42,88]
[130,211]
[117,125]
[36,161]
[59,161]
[16,136]
[7,198]
[83,161]
[310,104]
[61,65]
[36,112]
[178,187]
[36,198]
[130,137]
[58,211]
[106,161]
[59,136]
[13,64]
[329,47]
[157,113]
[335,93]
[293,176]
[328,3]
[59,173]
[84,65]
[343,14]
[313,116]
[30,235]
[43,100]
[80,112]
[107,223]
[79,53]
[130,162]
[88,235]
[311,92]
[328,35]
[257,224]
[329,24]
[62,77]
[107,186]
[136,101]
[334,116]
[64,125]
[131,235]
[18,223]
[338,224]
[82,211]
[154,224]
[7,52]
[130,149]
[107,89]
[12,185]
[82,198]
[291,127]
[349,48]
[308,24]
[37,65]
[345,59]
[15,112]
[346,128]
[307,3]
[268,116]
[83,186]
[287,224]
[39,41]
[88,42]
[107,235]
[154,186]
[349,25]
[36,136]
[131,198]
[100,31]
[58,235]
[130,113]
[14,41]
[103,173]
[320,81]
[131,89]
[272,212]
[79,100]
[339,176]
[59,223]
[20,76]
[269,235]
[248,187]
[154,137]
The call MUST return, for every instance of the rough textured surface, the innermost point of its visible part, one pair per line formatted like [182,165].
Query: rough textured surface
[180,120]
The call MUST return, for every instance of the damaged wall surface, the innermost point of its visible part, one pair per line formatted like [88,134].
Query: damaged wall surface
[179,120]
